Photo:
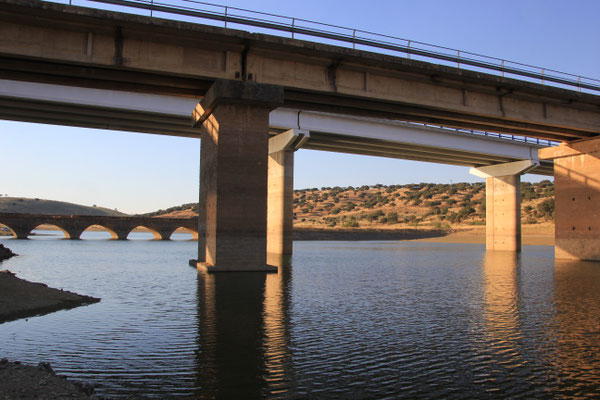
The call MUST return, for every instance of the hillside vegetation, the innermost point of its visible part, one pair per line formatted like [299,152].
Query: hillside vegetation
[40,206]
[399,206]
[423,204]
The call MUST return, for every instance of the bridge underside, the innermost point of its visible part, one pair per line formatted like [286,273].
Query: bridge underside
[247,75]
[170,115]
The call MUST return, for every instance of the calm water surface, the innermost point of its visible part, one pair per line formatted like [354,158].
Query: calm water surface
[343,320]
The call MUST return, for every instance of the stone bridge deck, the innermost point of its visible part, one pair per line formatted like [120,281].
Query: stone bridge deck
[73,226]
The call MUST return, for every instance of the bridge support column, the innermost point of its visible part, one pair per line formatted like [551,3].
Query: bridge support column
[503,203]
[234,116]
[21,232]
[280,201]
[576,198]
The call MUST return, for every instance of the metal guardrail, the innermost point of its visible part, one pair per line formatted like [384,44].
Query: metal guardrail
[356,37]
[516,138]
[195,10]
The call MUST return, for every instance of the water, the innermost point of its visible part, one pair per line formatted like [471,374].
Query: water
[344,320]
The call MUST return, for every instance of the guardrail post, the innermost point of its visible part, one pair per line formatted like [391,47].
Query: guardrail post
[293,25]
[354,39]
[225,17]
[542,76]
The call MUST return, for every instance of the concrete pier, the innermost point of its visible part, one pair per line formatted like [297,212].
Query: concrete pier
[503,203]
[234,117]
[280,211]
[577,198]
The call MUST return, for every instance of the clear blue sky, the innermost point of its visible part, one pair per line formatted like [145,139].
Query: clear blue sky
[139,172]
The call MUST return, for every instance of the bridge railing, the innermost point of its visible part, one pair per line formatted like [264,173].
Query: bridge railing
[517,138]
[228,17]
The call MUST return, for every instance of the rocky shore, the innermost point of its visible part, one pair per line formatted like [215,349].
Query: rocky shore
[5,253]
[18,381]
[20,298]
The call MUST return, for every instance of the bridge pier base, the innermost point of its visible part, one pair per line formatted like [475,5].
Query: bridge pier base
[234,116]
[576,198]
[503,203]
[21,232]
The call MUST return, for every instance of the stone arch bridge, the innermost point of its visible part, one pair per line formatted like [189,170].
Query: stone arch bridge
[73,226]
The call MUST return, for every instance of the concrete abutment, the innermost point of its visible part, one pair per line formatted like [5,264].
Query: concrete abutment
[234,117]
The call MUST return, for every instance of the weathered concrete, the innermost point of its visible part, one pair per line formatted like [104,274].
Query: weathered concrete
[55,43]
[73,225]
[233,175]
[503,203]
[503,213]
[577,199]
[280,201]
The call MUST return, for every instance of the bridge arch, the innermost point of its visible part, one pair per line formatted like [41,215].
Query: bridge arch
[144,232]
[186,230]
[7,229]
[66,233]
[97,228]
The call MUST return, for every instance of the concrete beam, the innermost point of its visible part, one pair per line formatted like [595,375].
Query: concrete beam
[149,55]
[168,114]
[292,139]
[513,168]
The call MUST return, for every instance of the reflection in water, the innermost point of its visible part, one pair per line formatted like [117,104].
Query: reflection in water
[243,334]
[503,330]
[364,320]
[501,297]
[577,323]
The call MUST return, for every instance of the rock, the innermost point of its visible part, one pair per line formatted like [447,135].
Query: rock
[5,253]
[44,366]
[85,387]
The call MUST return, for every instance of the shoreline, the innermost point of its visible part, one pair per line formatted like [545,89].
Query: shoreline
[23,299]
[20,381]
[302,234]
[536,235]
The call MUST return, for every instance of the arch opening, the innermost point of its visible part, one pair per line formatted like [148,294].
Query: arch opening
[143,233]
[183,233]
[47,231]
[6,232]
[98,232]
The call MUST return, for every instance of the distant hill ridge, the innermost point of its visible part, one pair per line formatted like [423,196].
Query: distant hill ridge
[401,206]
[53,207]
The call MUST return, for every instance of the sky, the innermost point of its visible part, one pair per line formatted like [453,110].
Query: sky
[137,173]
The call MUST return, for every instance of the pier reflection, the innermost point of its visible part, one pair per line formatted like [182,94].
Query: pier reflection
[502,345]
[501,270]
[577,326]
[243,334]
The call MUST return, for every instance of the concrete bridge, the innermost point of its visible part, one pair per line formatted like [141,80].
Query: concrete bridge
[73,226]
[263,97]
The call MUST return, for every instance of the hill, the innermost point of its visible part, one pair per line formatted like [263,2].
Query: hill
[40,206]
[440,206]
